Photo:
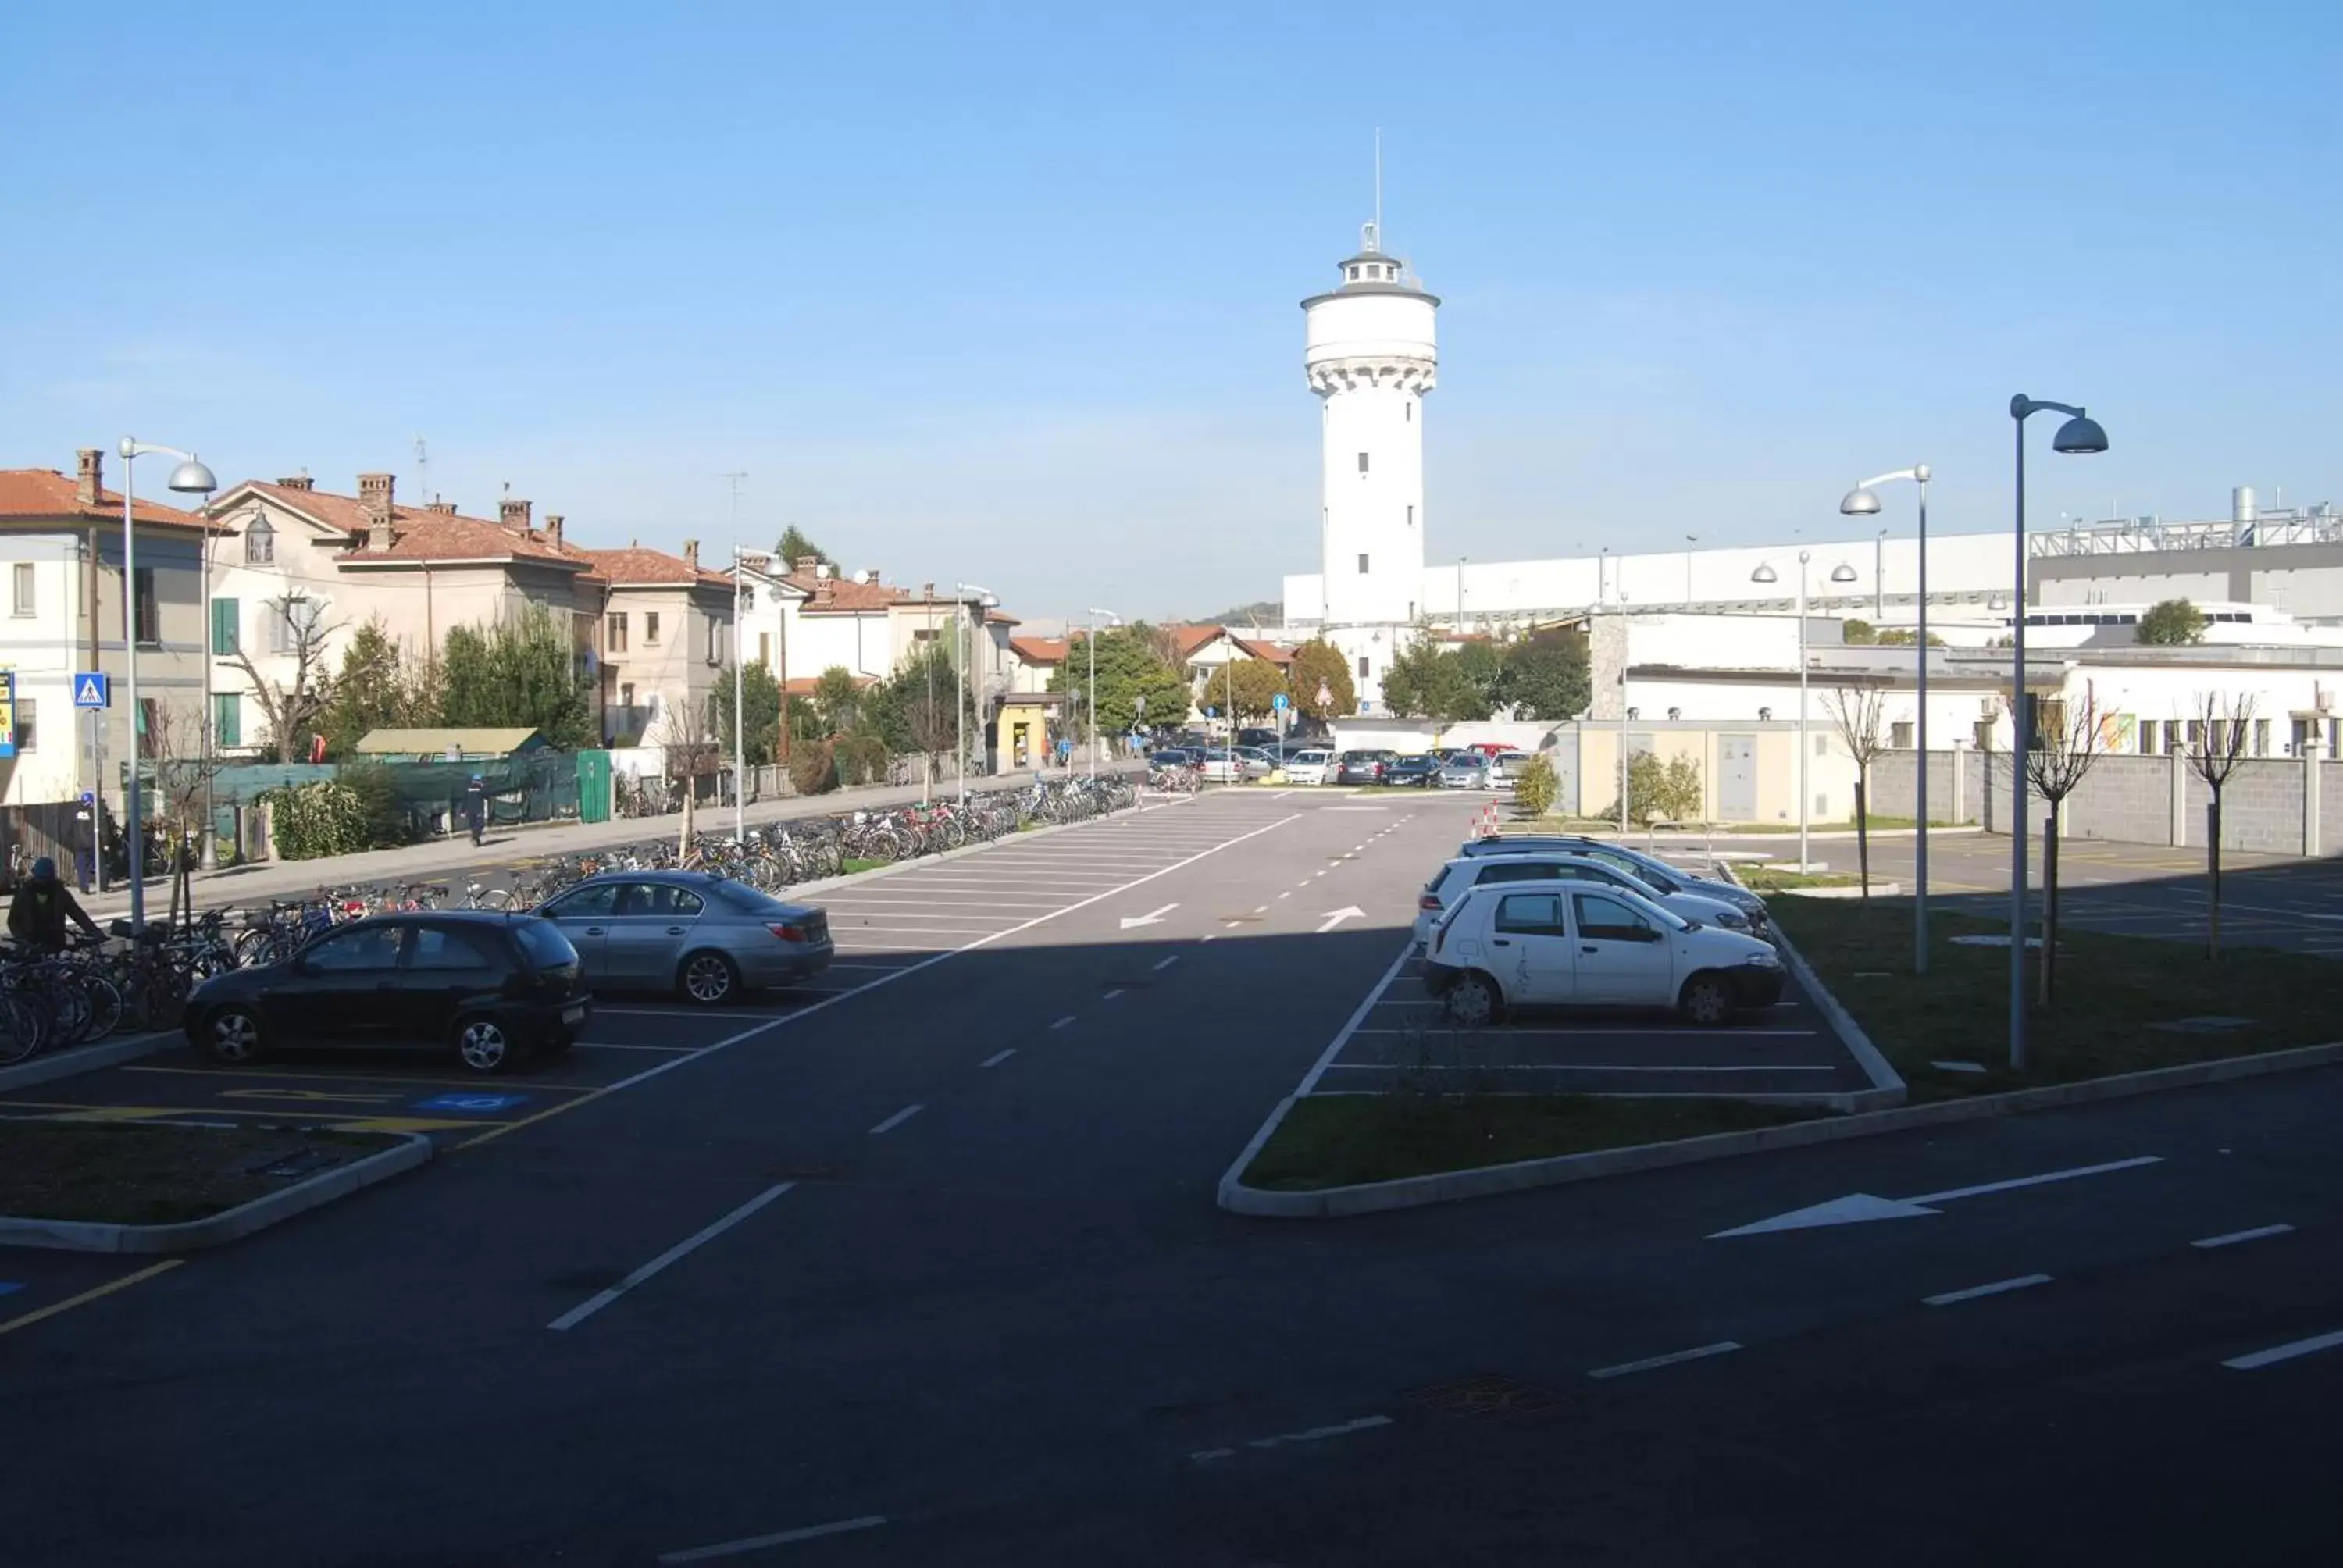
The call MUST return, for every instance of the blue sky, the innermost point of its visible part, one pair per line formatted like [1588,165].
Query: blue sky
[1007,294]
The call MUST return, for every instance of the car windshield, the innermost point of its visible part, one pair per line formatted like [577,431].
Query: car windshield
[543,942]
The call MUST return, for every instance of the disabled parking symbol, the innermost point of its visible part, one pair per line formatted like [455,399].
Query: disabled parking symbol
[474,1104]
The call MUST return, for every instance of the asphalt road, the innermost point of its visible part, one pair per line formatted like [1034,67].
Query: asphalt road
[925,1269]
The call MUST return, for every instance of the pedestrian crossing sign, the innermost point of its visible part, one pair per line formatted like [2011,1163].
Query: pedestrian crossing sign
[92,688]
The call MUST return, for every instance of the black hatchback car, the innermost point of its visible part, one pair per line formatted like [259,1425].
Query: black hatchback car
[484,986]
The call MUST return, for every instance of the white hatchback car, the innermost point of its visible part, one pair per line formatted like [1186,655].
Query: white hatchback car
[1565,944]
[1308,767]
[1450,883]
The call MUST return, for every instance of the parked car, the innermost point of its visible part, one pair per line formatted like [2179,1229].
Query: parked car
[1413,772]
[1172,756]
[1644,867]
[1464,770]
[1222,766]
[1309,765]
[1478,870]
[484,986]
[1259,761]
[1506,767]
[1558,944]
[1365,767]
[707,939]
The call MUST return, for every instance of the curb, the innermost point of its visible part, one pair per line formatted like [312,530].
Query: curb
[1887,1086]
[1879,890]
[217,1230]
[80,1059]
[1416,1191]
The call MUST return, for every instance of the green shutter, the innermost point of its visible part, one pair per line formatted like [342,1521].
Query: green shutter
[227,716]
[224,624]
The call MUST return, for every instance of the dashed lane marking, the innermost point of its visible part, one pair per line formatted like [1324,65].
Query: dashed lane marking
[2234,1237]
[2258,1359]
[596,1303]
[1998,1287]
[998,1057]
[780,1538]
[1698,1353]
[1165,963]
[895,1121]
[1064,1021]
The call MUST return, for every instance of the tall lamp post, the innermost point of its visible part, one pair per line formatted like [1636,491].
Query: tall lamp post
[2080,433]
[743,596]
[1841,573]
[1112,619]
[1860,502]
[983,597]
[189,478]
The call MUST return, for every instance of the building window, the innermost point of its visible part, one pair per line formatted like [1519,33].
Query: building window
[291,622]
[1363,462]
[1362,667]
[227,719]
[259,544]
[148,613]
[765,649]
[23,605]
[2172,747]
[650,629]
[715,641]
[2261,737]
[1411,517]
[28,730]
[1822,745]
[2147,739]
[626,693]
[616,637]
[925,634]
[1362,566]
[1899,735]
[1411,410]
[224,627]
[147,725]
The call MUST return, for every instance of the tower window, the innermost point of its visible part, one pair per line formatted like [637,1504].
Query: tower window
[1362,566]
[1363,462]
[1362,667]
[1411,517]
[1410,413]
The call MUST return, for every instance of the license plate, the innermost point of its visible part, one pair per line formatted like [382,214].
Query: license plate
[574,1014]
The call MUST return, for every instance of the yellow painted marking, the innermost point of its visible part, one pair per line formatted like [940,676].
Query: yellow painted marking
[195,1112]
[114,1113]
[304,1096]
[479,1085]
[500,1128]
[70,1302]
[414,1124]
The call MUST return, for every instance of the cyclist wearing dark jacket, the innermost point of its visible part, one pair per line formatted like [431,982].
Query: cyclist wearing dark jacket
[37,915]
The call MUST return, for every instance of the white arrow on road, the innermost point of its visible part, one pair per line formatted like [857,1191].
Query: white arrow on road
[1336,916]
[1155,918]
[1858,1207]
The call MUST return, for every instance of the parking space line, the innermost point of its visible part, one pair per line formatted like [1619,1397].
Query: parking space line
[2234,1237]
[614,1045]
[780,1538]
[474,1083]
[600,1299]
[27,1320]
[1558,1066]
[2258,1359]
[1509,1029]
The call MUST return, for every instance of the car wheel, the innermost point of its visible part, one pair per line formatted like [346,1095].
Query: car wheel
[708,978]
[484,1045]
[233,1037]
[1474,1000]
[1707,1000]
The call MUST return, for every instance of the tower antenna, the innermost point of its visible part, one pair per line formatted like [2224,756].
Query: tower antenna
[1379,186]
[422,469]
[734,480]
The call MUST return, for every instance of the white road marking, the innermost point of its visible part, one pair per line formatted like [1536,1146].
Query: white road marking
[1064,1021]
[1314,1434]
[2234,1237]
[596,1303]
[1112,994]
[998,1057]
[1550,1067]
[896,1119]
[1287,894]
[1610,1034]
[780,1538]
[2022,1281]
[1165,963]
[1262,910]
[1698,1353]
[613,1045]
[1208,936]
[2286,1353]
[1947,1196]
[1152,917]
[1857,1208]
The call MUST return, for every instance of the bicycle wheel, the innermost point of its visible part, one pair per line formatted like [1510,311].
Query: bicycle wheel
[105,1002]
[23,1027]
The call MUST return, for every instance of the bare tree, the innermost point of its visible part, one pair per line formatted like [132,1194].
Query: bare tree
[183,768]
[295,707]
[688,736]
[2067,739]
[1857,711]
[2216,743]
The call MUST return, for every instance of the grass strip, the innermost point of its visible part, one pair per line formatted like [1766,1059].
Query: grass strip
[1335,1140]
[139,1173]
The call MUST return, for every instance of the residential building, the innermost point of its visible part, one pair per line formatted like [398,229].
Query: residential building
[667,639]
[61,542]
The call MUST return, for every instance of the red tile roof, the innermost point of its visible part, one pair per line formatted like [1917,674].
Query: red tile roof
[1040,649]
[417,534]
[45,493]
[845,595]
[635,567]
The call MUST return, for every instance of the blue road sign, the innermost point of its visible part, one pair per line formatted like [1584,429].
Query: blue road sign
[1277,702]
[474,1104]
[1212,713]
[93,689]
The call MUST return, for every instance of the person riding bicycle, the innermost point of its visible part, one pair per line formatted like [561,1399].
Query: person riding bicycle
[38,913]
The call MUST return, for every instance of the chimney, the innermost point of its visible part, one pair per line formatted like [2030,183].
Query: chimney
[871,578]
[374,494]
[691,554]
[90,482]
[513,514]
[927,593]
[298,482]
[825,570]
[806,565]
[553,528]
[444,508]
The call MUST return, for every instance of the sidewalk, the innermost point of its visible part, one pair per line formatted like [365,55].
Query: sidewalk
[434,858]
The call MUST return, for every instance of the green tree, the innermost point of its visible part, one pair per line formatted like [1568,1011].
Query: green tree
[795,547]
[1857,633]
[1256,684]
[1903,637]
[2172,624]
[1482,663]
[761,703]
[1414,686]
[1129,670]
[1662,791]
[1318,665]
[1535,786]
[838,700]
[521,672]
[922,703]
[374,691]
[1545,676]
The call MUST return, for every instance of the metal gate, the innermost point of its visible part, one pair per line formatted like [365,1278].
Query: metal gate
[1736,778]
[593,786]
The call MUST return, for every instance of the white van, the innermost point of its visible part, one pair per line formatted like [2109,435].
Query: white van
[1562,944]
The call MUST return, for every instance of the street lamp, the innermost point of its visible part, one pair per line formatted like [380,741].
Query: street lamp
[1112,619]
[189,478]
[2080,433]
[1861,503]
[985,597]
[743,596]
[1841,573]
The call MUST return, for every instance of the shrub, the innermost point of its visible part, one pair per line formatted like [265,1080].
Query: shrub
[309,820]
[1662,791]
[1536,786]
[812,771]
[387,822]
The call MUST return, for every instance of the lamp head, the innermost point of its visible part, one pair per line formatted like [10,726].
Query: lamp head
[1859,504]
[2079,434]
[191,478]
[1842,573]
[1765,573]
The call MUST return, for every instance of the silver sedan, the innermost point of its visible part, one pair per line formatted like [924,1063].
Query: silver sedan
[705,938]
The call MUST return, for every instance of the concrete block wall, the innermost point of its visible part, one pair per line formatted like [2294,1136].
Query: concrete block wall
[2127,799]
[2261,807]
[1892,778]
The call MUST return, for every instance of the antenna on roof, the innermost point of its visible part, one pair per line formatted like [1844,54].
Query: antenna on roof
[1379,184]
[422,468]
[734,480]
